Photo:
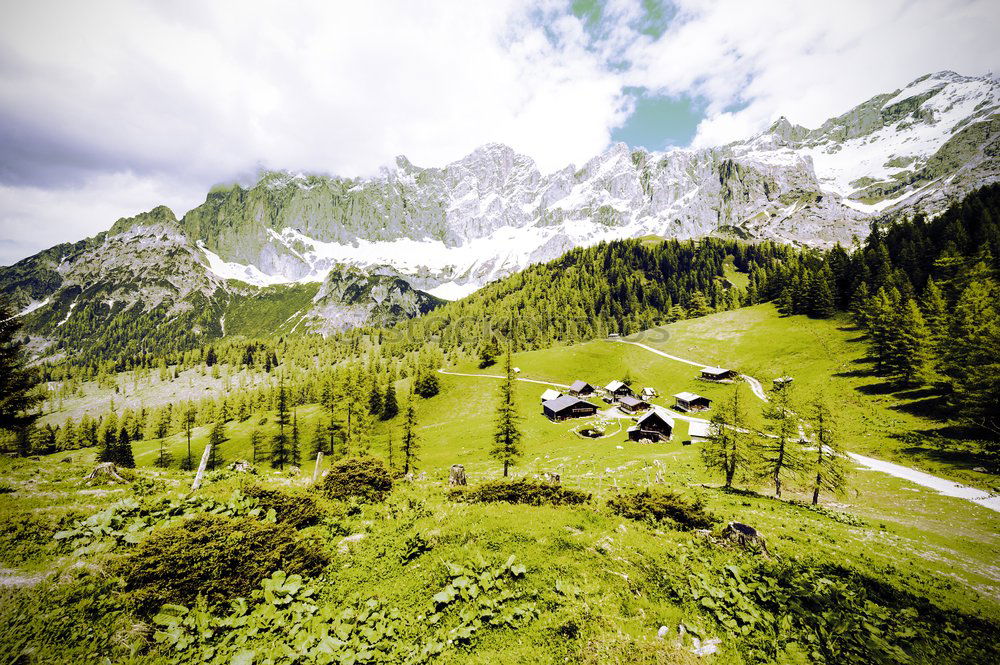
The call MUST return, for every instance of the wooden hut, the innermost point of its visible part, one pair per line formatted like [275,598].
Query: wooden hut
[630,404]
[717,374]
[700,430]
[567,406]
[618,389]
[691,402]
[581,389]
[550,395]
[654,426]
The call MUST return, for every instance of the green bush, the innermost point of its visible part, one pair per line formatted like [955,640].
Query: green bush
[296,510]
[363,478]
[655,507]
[520,491]
[214,556]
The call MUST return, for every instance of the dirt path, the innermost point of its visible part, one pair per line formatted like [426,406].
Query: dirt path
[940,485]
[754,384]
[501,376]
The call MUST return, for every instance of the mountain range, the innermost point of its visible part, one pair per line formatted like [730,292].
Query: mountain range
[328,253]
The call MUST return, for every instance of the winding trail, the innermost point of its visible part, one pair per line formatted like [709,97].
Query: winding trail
[501,376]
[940,485]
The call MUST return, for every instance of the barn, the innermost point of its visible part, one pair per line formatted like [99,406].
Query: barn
[567,406]
[654,426]
[691,402]
[630,404]
[581,389]
[717,374]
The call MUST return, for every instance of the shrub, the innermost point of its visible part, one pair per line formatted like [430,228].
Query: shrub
[24,537]
[655,507]
[296,510]
[214,556]
[362,478]
[520,491]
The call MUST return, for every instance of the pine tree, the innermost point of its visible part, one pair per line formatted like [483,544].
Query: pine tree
[698,306]
[935,311]
[426,384]
[216,438]
[164,457]
[18,393]
[728,450]
[829,461]
[507,435]
[488,352]
[786,302]
[390,407]
[410,441]
[821,301]
[318,443]
[375,406]
[389,449]
[781,453]
[973,359]
[279,445]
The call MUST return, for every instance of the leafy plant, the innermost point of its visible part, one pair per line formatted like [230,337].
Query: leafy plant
[297,510]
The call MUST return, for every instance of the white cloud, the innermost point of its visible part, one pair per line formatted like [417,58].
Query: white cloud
[808,61]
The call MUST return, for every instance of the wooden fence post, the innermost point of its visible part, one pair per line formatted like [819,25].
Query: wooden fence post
[319,462]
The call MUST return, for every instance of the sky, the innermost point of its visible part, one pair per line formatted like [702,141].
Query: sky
[109,108]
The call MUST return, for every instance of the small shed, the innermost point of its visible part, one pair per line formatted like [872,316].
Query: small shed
[581,388]
[551,394]
[781,382]
[649,393]
[654,426]
[717,373]
[630,404]
[700,430]
[618,389]
[691,402]
[567,406]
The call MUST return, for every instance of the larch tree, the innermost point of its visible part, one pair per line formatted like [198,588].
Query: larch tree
[911,346]
[390,406]
[279,445]
[257,445]
[216,438]
[780,453]
[410,442]
[729,448]
[294,442]
[507,434]
[18,381]
[829,467]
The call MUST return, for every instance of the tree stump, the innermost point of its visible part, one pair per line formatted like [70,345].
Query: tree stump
[553,478]
[457,475]
[745,536]
[105,471]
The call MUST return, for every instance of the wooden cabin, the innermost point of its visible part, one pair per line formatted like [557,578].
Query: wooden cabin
[649,393]
[630,404]
[717,374]
[566,407]
[691,402]
[581,389]
[654,426]
[781,382]
[550,395]
[618,389]
[700,430]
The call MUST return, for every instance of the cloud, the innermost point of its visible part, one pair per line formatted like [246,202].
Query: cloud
[111,107]
[806,61]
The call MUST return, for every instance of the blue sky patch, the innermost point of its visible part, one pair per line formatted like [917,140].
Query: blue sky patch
[659,122]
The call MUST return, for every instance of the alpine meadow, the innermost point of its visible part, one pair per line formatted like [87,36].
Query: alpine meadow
[654,374]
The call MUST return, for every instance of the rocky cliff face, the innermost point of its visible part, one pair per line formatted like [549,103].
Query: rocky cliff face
[451,229]
[370,247]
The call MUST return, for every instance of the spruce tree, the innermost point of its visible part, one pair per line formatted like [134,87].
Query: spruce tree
[123,450]
[821,301]
[375,406]
[164,458]
[829,466]
[935,311]
[187,464]
[318,443]
[786,302]
[257,445]
[507,435]
[728,450]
